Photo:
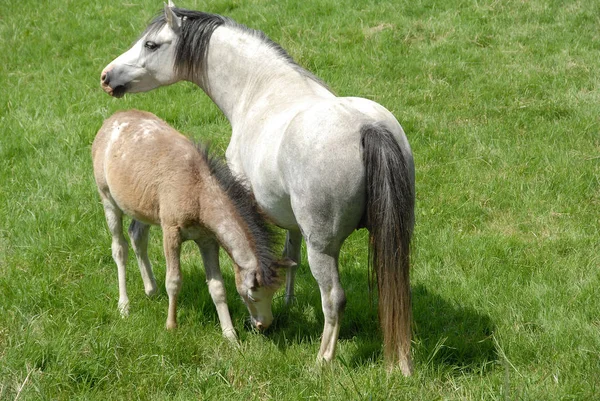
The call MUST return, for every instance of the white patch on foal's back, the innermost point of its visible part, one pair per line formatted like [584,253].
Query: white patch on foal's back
[117,128]
[146,130]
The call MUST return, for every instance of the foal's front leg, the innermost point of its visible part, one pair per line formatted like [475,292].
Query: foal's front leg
[114,219]
[210,256]
[172,247]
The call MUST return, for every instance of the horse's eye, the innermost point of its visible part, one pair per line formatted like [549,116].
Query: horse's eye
[151,45]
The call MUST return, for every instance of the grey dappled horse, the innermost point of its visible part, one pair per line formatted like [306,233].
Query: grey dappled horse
[319,165]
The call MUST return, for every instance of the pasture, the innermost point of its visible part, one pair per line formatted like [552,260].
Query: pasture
[499,100]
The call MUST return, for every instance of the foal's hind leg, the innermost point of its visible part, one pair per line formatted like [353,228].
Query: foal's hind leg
[293,246]
[114,219]
[138,232]
[210,256]
[324,267]
[172,246]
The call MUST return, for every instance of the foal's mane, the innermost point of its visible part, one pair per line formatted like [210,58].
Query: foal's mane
[263,234]
[197,28]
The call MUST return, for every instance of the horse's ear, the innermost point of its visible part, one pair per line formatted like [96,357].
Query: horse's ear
[173,20]
[285,263]
[171,4]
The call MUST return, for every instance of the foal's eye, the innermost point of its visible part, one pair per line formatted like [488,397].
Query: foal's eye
[151,45]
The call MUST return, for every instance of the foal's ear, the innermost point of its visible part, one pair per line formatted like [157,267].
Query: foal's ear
[285,263]
[251,282]
[173,20]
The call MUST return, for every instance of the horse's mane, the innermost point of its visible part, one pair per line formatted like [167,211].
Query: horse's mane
[263,234]
[196,30]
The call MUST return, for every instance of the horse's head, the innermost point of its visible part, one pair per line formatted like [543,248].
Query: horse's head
[149,63]
[257,296]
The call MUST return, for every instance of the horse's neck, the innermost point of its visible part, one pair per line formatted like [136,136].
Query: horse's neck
[244,72]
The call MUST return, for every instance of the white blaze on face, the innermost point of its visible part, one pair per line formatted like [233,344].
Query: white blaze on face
[147,68]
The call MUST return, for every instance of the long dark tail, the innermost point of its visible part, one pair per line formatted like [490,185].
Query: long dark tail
[389,218]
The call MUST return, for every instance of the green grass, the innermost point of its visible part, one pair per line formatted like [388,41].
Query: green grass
[500,102]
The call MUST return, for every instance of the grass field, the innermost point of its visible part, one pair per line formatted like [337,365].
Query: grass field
[500,101]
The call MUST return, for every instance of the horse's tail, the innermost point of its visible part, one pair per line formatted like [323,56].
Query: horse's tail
[389,218]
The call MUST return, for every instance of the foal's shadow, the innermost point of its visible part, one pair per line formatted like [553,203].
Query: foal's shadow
[445,334]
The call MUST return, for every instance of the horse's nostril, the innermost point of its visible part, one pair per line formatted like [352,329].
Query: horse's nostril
[104,78]
[259,326]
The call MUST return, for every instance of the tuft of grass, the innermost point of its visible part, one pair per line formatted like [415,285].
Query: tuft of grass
[500,103]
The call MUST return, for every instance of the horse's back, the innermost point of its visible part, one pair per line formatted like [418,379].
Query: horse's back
[320,160]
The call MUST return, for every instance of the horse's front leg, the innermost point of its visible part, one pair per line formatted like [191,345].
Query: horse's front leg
[172,247]
[210,256]
[114,219]
[138,232]
[333,300]
[293,246]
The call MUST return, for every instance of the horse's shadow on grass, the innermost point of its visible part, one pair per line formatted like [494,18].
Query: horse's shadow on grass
[445,334]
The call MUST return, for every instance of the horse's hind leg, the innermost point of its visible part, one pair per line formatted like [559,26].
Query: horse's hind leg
[172,247]
[293,246]
[324,267]
[114,219]
[138,232]
[210,257]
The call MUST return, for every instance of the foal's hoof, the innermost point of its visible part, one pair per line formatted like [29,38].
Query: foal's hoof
[151,292]
[231,336]
[171,325]
[124,309]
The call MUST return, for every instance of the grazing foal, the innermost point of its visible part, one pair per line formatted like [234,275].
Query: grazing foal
[146,169]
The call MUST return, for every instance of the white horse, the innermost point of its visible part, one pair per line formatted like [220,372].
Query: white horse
[320,166]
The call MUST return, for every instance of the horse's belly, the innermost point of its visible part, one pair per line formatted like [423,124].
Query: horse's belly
[277,208]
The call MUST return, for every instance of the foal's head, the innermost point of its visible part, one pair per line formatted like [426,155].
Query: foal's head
[259,278]
[172,48]
[258,296]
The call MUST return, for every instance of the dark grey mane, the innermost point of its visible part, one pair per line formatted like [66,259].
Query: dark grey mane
[196,30]
[263,235]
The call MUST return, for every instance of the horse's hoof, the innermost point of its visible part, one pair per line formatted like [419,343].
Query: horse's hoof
[290,300]
[406,367]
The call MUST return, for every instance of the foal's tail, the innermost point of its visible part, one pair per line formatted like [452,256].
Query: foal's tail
[389,218]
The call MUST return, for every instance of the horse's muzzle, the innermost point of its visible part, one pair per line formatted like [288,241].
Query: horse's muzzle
[105,81]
